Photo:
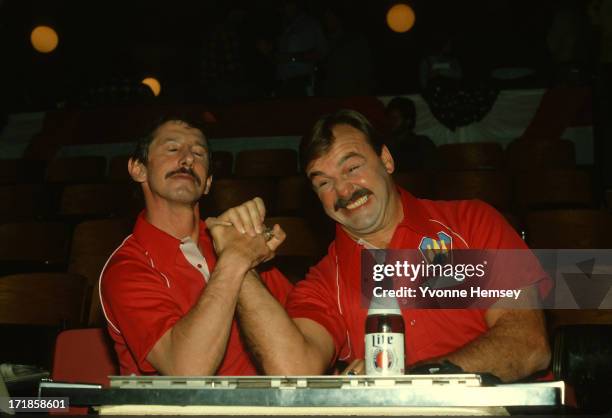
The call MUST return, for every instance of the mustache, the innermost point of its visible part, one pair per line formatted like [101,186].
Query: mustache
[343,203]
[185,170]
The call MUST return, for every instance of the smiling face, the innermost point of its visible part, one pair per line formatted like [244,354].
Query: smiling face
[354,184]
[177,165]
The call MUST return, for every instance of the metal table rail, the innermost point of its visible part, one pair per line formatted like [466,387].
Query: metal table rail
[431,391]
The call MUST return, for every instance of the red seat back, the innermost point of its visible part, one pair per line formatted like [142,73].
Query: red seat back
[84,356]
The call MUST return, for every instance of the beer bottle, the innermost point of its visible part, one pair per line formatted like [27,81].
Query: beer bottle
[384,342]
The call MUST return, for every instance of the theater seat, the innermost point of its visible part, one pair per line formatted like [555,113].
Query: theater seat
[43,299]
[544,154]
[266,163]
[492,186]
[300,250]
[570,228]
[581,358]
[86,169]
[228,193]
[471,156]
[553,189]
[222,162]
[117,169]
[33,246]
[418,182]
[92,244]
[84,356]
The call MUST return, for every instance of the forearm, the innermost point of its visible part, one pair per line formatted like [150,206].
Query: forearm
[514,348]
[279,345]
[196,344]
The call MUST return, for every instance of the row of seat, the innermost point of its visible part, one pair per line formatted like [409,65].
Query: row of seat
[43,201]
[54,247]
[54,299]
[542,189]
[520,155]
[521,191]
[95,169]
[518,192]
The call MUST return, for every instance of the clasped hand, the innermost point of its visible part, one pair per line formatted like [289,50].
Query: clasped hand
[241,233]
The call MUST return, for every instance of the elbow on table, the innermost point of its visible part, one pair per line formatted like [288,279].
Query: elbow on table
[539,357]
[187,370]
[291,368]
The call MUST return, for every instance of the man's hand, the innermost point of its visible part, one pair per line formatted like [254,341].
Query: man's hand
[514,347]
[247,218]
[357,366]
[251,250]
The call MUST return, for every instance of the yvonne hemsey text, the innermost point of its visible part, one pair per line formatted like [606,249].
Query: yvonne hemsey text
[426,292]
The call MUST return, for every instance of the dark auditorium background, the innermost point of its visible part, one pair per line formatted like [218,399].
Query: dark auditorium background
[513,103]
[114,39]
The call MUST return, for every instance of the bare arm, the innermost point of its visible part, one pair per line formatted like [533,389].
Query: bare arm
[195,345]
[514,347]
[282,346]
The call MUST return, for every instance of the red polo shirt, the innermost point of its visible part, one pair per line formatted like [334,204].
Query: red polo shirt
[147,285]
[331,293]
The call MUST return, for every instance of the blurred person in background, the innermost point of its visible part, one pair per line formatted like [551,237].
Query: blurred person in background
[300,46]
[410,151]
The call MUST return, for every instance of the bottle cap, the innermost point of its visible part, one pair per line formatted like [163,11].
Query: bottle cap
[384,306]
[384,311]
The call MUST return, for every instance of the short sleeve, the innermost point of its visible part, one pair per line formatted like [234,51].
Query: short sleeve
[138,306]
[489,230]
[277,284]
[316,298]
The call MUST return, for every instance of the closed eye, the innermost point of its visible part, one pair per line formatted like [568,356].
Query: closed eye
[322,184]
[199,152]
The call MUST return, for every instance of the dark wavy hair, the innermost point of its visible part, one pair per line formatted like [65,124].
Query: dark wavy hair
[320,138]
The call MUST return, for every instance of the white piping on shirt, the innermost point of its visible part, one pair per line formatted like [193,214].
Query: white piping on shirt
[164,276]
[150,259]
[102,275]
[348,337]
[100,285]
[153,266]
[338,286]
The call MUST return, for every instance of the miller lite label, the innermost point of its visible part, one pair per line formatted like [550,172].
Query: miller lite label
[384,343]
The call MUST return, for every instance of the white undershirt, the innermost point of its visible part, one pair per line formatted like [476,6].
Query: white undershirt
[194,256]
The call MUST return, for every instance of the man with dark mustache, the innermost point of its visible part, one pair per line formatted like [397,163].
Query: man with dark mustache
[343,203]
[187,171]
[350,170]
[169,300]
